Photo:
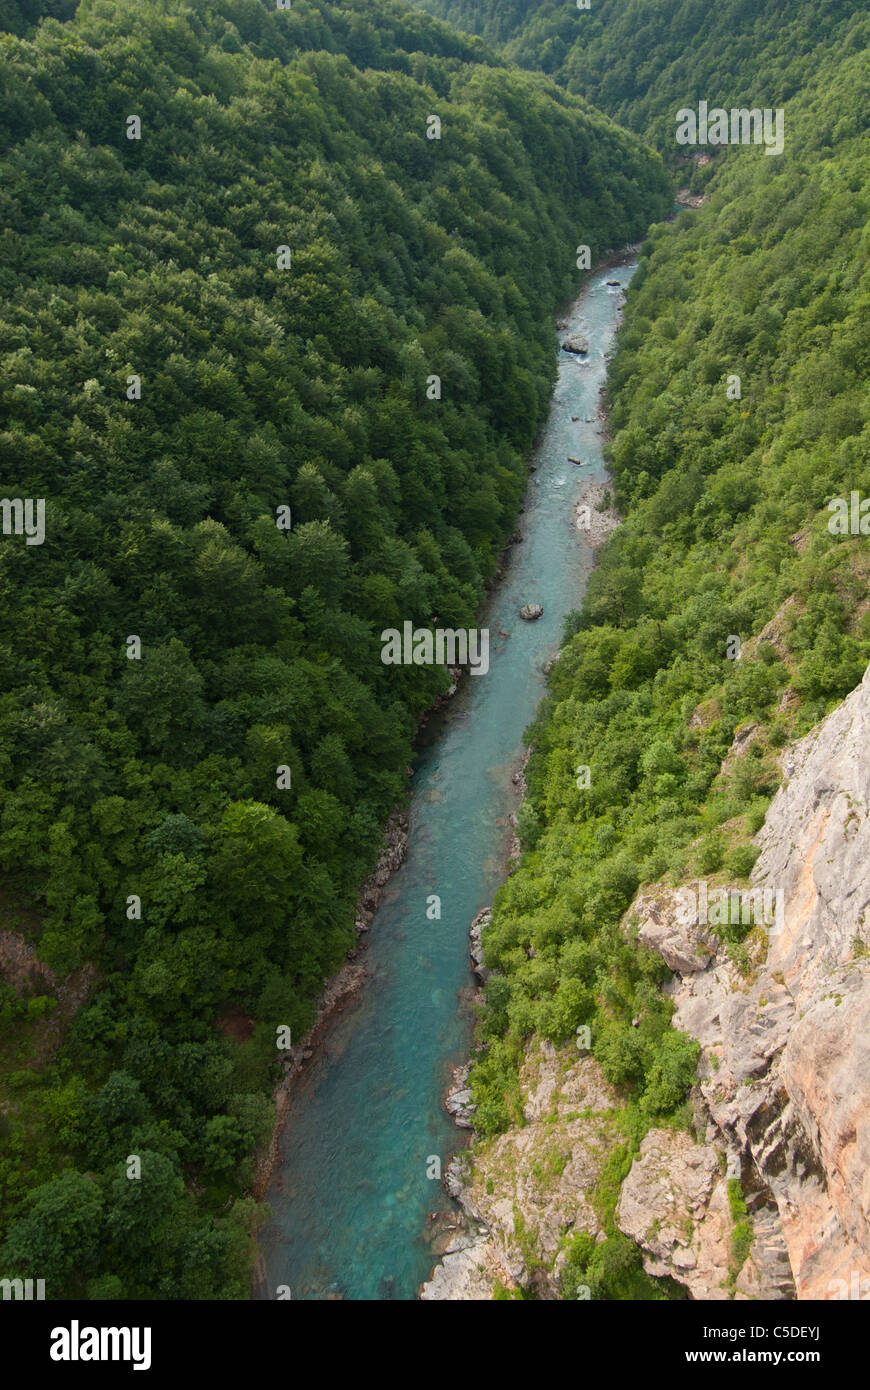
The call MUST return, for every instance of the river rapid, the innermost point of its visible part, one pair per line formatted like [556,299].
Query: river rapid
[350,1195]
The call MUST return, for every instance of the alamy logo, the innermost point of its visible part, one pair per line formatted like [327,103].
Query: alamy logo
[17,518]
[723,907]
[741,126]
[850,518]
[856,1290]
[22,1289]
[421,647]
[75,1343]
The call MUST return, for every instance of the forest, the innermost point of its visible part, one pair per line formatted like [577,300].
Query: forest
[640,60]
[726,536]
[216,318]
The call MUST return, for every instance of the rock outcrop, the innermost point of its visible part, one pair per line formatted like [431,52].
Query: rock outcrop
[469,1271]
[785,1058]
[458,1101]
[674,1203]
[475,943]
[526,1191]
[682,943]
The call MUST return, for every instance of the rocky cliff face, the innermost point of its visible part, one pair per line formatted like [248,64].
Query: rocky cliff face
[771,1197]
[784,1093]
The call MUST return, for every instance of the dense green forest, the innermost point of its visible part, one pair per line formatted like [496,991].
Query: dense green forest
[726,536]
[641,60]
[235,314]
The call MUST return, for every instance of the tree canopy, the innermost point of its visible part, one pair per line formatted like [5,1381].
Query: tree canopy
[231,261]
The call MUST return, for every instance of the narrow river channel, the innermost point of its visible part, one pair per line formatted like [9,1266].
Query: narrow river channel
[351,1195]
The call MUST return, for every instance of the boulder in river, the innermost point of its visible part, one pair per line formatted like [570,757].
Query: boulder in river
[531,611]
[576,342]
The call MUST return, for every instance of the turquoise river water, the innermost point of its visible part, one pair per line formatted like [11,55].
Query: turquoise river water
[350,1195]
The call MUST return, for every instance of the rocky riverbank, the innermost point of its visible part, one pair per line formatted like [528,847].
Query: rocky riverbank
[525,1193]
[519,780]
[337,991]
[350,979]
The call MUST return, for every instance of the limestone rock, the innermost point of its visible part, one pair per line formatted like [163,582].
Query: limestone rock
[595,520]
[475,950]
[458,1102]
[674,1204]
[466,1273]
[532,1186]
[683,944]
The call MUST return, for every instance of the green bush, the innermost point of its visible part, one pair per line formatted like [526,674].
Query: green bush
[740,860]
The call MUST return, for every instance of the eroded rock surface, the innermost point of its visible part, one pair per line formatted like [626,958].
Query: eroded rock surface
[526,1191]
[674,1203]
[468,1272]
[577,343]
[475,943]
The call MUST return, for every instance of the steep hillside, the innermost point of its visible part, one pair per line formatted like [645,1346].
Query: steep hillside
[784,1065]
[232,262]
[640,60]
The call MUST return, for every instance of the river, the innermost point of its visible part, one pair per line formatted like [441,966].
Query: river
[350,1195]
